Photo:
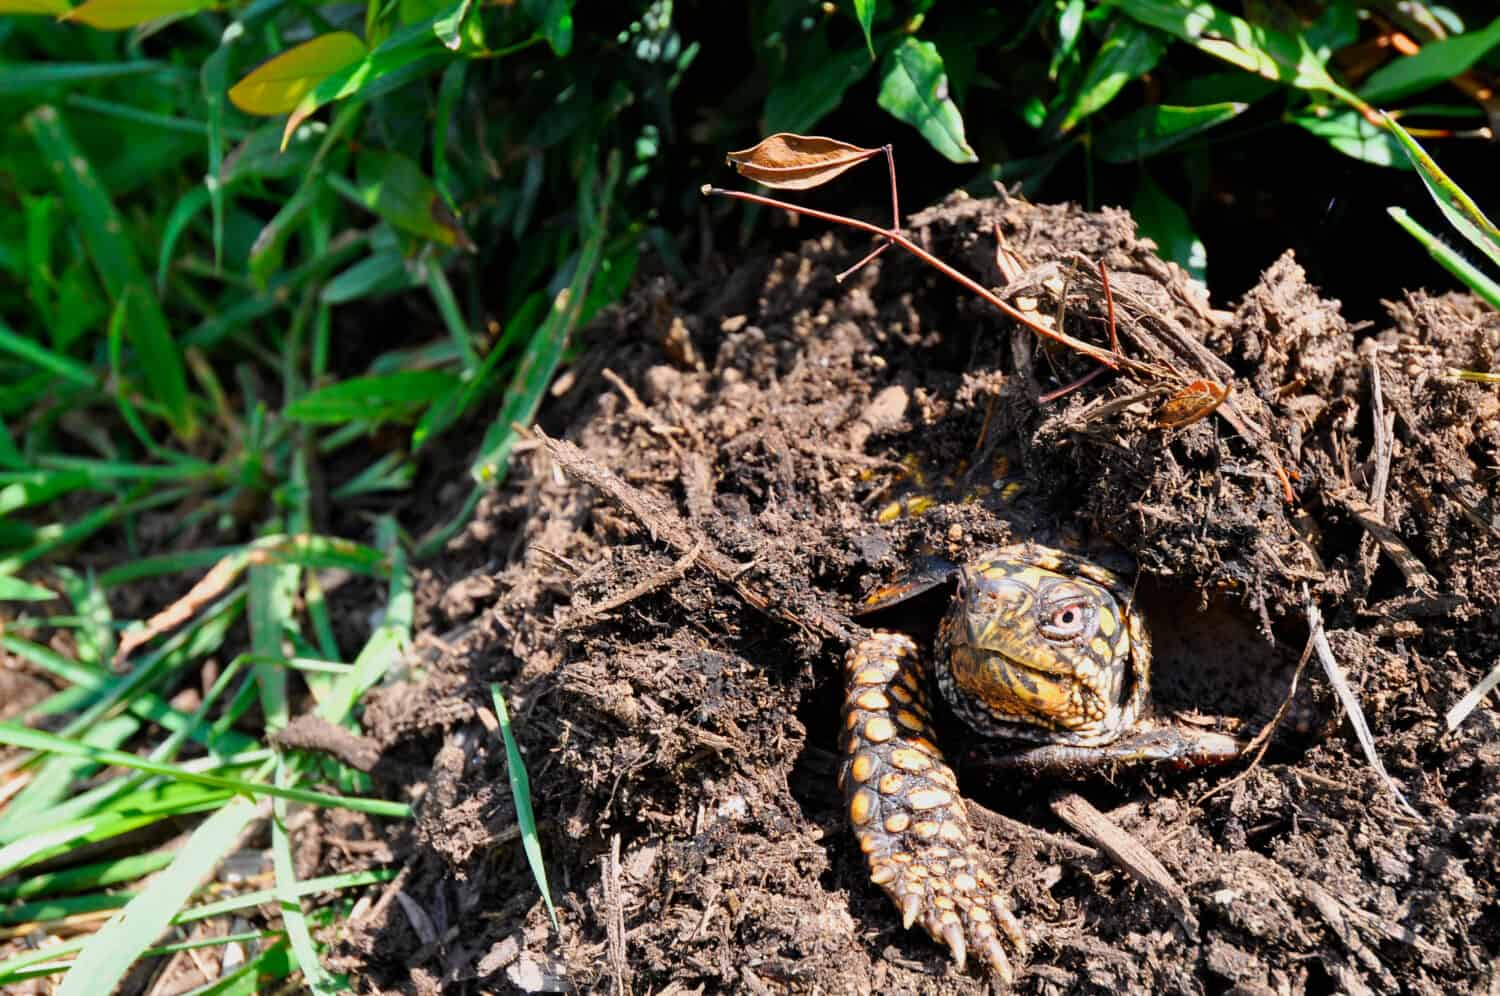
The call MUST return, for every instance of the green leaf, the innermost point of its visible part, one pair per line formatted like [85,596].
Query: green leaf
[554,20]
[1129,52]
[378,273]
[34,6]
[380,398]
[1462,213]
[15,590]
[864,12]
[395,188]
[1162,220]
[1069,28]
[449,25]
[279,84]
[797,102]
[1275,55]
[1435,63]
[115,15]
[1146,131]
[1474,278]
[1349,132]
[413,45]
[914,89]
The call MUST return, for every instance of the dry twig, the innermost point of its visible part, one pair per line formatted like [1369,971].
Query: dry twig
[1350,701]
[1475,695]
[1129,853]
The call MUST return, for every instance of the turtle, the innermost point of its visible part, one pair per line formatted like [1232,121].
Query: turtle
[1037,645]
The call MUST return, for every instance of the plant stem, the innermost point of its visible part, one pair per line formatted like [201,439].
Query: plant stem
[1110,360]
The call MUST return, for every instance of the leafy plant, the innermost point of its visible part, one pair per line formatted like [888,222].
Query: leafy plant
[269,265]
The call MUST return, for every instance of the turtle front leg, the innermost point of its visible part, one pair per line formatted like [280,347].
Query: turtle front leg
[1179,748]
[903,803]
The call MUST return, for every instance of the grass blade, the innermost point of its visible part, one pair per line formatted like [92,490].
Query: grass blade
[390,639]
[47,910]
[40,356]
[85,877]
[28,79]
[520,791]
[111,952]
[545,351]
[119,269]
[1472,277]
[373,399]
[1461,211]
[11,968]
[16,590]
[20,736]
[298,934]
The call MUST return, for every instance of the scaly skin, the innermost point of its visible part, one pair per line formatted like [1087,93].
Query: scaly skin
[902,800]
[1038,645]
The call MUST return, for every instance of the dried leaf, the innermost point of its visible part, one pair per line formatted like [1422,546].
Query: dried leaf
[210,586]
[1195,402]
[797,162]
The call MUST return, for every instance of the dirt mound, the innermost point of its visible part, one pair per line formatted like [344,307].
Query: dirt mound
[666,604]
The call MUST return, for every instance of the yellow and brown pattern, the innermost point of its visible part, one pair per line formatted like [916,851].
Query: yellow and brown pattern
[1038,645]
[902,800]
[1041,645]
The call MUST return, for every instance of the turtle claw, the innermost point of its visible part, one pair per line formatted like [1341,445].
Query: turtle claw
[953,936]
[1011,926]
[994,957]
[911,908]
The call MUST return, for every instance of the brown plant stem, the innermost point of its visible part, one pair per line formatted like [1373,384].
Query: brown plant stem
[968,283]
[890,162]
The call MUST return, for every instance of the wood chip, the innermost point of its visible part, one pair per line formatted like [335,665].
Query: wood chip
[1127,852]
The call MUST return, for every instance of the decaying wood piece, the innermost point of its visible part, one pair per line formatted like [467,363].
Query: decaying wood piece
[1127,852]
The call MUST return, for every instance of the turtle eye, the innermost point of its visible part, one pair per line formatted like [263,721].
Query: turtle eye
[1068,620]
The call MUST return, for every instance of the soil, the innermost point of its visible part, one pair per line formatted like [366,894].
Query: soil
[666,584]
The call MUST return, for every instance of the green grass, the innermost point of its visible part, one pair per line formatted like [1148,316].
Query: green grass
[231,298]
